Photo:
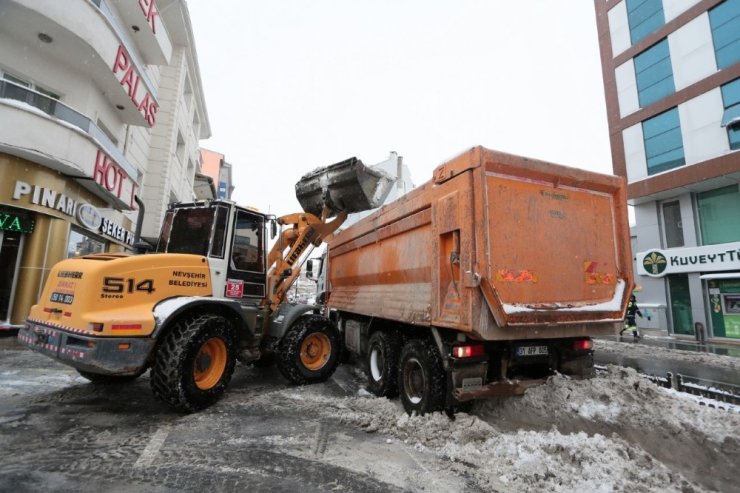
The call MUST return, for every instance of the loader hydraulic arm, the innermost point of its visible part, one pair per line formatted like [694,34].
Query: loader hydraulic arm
[304,229]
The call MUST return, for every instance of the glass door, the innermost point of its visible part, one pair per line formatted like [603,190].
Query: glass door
[10,247]
[678,287]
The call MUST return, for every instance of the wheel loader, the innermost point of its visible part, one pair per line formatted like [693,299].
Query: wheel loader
[210,294]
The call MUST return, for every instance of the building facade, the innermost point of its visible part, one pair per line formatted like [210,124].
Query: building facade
[100,104]
[214,166]
[671,72]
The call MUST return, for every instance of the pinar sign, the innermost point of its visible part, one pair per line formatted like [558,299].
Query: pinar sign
[125,71]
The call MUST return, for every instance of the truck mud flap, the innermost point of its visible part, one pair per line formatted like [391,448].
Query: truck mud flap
[348,186]
[499,388]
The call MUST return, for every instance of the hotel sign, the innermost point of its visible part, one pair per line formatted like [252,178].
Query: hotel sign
[125,71]
[711,258]
[110,176]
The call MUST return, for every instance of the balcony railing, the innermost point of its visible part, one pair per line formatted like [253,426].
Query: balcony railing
[60,111]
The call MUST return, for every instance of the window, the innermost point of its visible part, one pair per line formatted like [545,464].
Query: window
[663,142]
[731,118]
[80,243]
[645,17]
[654,74]
[180,152]
[672,224]
[16,80]
[107,133]
[247,252]
[724,20]
[718,215]
[186,230]
[38,96]
[219,232]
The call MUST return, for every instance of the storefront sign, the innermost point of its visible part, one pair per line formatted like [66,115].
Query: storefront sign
[45,197]
[658,263]
[87,215]
[150,12]
[116,231]
[13,221]
[110,176]
[125,72]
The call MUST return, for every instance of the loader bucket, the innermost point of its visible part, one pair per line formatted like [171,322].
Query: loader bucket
[346,186]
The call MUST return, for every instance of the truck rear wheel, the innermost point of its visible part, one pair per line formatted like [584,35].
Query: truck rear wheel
[194,363]
[310,350]
[382,363]
[421,378]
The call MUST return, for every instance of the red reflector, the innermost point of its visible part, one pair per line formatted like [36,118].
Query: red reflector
[123,346]
[95,327]
[126,327]
[583,344]
[90,344]
[468,351]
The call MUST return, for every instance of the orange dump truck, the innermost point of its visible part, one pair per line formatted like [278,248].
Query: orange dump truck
[482,281]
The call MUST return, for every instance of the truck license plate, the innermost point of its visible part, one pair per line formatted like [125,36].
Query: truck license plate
[531,350]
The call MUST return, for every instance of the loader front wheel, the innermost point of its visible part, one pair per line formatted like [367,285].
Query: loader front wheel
[382,363]
[310,350]
[421,378]
[194,363]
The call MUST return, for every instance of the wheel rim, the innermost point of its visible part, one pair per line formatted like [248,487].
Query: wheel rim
[413,380]
[210,363]
[315,351]
[376,363]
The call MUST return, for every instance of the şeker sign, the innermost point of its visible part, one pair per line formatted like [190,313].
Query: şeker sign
[710,258]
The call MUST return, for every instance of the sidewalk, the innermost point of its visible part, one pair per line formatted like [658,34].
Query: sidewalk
[660,338]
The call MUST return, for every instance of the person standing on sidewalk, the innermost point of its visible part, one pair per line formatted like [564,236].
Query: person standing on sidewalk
[629,321]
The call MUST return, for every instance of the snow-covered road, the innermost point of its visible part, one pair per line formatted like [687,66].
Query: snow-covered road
[616,432]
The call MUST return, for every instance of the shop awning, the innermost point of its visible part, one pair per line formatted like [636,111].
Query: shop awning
[721,275]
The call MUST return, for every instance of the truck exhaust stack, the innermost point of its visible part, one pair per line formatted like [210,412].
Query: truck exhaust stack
[348,186]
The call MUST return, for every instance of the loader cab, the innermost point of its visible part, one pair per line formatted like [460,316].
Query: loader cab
[233,238]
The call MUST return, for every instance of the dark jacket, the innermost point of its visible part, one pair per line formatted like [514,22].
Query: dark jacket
[633,309]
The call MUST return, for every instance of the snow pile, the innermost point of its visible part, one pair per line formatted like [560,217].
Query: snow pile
[621,396]
[657,352]
[559,437]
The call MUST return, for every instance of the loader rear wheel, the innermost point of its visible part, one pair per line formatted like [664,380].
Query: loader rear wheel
[310,350]
[382,363]
[421,378]
[194,363]
[99,379]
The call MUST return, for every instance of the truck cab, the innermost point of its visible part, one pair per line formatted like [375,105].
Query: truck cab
[233,238]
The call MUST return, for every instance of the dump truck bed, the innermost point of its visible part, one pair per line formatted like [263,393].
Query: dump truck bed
[495,245]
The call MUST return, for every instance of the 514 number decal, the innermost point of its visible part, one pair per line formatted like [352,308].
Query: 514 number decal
[120,285]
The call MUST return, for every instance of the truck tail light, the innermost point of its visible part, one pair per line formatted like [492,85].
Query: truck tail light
[472,351]
[583,344]
[95,327]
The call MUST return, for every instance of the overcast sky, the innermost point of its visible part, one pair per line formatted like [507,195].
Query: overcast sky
[291,85]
